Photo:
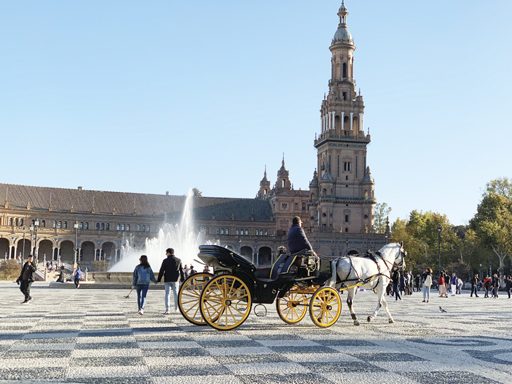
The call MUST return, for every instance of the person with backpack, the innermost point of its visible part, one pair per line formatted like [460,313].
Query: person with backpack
[142,276]
[26,278]
[171,271]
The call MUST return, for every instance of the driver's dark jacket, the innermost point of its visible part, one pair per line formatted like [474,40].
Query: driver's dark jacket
[170,270]
[297,240]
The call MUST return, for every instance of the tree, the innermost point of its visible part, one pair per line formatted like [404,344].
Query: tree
[425,246]
[502,187]
[380,217]
[493,219]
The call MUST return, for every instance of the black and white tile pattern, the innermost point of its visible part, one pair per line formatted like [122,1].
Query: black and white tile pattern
[96,336]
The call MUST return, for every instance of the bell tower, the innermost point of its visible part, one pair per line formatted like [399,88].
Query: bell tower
[342,196]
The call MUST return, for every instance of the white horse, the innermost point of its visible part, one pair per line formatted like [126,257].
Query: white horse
[367,272]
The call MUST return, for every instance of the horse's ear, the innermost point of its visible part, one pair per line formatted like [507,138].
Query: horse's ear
[401,243]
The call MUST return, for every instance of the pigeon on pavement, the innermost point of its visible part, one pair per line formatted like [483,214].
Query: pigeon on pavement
[442,310]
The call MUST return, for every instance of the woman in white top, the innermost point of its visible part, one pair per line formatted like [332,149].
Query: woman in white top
[427,283]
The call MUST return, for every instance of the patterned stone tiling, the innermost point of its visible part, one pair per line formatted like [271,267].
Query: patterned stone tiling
[91,338]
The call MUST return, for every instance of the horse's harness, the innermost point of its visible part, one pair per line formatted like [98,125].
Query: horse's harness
[358,281]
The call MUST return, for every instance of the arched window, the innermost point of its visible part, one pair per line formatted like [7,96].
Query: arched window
[344,70]
[337,123]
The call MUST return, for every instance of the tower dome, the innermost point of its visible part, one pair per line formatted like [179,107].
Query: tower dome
[342,34]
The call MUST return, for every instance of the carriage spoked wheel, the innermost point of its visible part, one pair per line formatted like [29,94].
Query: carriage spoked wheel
[189,295]
[292,307]
[225,302]
[325,307]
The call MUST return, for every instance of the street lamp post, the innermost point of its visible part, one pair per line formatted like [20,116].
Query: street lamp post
[33,230]
[77,250]
[23,246]
[439,229]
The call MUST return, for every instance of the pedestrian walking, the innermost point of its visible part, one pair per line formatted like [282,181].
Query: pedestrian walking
[60,279]
[453,283]
[442,286]
[495,285]
[417,282]
[460,284]
[77,276]
[474,285]
[396,284]
[26,278]
[487,285]
[427,283]
[508,284]
[171,271]
[142,276]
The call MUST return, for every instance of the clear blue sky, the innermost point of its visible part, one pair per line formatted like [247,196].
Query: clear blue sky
[155,96]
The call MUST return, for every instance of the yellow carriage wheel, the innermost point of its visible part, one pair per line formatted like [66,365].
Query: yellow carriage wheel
[292,307]
[225,302]
[325,307]
[189,295]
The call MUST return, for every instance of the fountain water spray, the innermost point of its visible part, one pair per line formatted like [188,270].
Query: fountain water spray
[182,237]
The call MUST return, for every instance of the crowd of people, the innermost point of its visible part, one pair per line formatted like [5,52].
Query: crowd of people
[404,283]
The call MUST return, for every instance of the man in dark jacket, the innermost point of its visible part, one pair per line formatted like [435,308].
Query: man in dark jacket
[171,271]
[297,240]
[26,278]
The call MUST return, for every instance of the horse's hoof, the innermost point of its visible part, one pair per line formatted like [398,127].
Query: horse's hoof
[391,321]
[356,322]
[369,318]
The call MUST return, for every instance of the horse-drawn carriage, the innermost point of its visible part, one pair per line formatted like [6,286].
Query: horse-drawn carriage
[296,282]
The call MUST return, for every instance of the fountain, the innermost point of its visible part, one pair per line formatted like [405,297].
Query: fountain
[182,237]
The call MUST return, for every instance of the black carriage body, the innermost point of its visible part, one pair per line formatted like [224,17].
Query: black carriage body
[265,283]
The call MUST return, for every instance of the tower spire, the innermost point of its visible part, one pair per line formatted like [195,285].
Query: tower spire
[342,13]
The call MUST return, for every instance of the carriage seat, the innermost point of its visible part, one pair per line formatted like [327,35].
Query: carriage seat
[283,265]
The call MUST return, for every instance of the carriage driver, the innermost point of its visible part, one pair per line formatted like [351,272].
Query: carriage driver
[297,240]
[299,243]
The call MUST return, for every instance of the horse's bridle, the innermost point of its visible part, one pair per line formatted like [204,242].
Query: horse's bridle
[401,265]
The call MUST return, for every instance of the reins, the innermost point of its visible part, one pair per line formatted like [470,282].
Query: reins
[360,282]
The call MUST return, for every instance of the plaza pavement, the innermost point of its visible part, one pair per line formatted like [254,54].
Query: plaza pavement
[96,336]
